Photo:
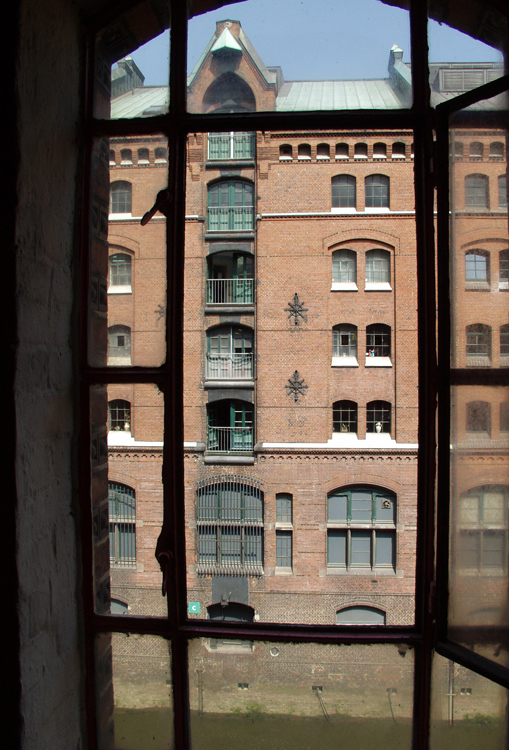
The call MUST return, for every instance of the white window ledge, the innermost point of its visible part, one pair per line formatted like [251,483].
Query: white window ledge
[344,286]
[337,210]
[344,362]
[377,210]
[116,217]
[126,164]
[304,158]
[283,571]
[323,158]
[341,158]
[503,284]
[378,286]
[482,286]
[398,156]
[378,362]
[143,161]
[126,289]
[359,156]
[285,158]
[378,156]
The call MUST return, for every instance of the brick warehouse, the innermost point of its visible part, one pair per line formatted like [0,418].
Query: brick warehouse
[300,355]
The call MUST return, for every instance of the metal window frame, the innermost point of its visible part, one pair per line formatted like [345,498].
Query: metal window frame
[429,631]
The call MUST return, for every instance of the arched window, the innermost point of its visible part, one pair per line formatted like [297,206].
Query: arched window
[504,340]
[478,416]
[478,344]
[119,412]
[398,150]
[229,353]
[503,269]
[112,157]
[143,156]
[119,345]
[378,417]
[497,149]
[230,206]
[476,149]
[342,151]
[378,268]
[377,193]
[230,278]
[458,149]
[304,151]
[378,342]
[160,155]
[343,189]
[481,526]
[354,537]
[344,342]
[122,520]
[344,416]
[120,271]
[285,152]
[230,426]
[360,151]
[229,520]
[360,616]
[229,93]
[379,150]
[126,156]
[502,192]
[504,416]
[477,269]
[476,191]
[344,268]
[120,197]
[323,151]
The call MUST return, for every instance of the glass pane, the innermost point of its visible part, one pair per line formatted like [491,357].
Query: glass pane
[127,296]
[228,59]
[479,521]
[467,710]
[134,693]
[282,695]
[132,64]
[127,497]
[265,421]
[458,61]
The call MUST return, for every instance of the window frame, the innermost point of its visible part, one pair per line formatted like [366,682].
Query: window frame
[343,193]
[377,192]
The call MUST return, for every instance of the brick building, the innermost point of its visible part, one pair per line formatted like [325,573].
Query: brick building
[300,350]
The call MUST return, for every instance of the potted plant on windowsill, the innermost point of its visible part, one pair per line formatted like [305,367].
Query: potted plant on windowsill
[343,427]
[378,427]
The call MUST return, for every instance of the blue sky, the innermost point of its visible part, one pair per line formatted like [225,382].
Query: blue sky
[344,39]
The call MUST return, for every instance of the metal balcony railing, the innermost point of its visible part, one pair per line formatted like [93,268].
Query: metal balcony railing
[230,218]
[229,366]
[231,146]
[230,291]
[230,439]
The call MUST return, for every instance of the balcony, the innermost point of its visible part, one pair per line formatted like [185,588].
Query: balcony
[229,366]
[231,146]
[230,219]
[230,440]
[230,291]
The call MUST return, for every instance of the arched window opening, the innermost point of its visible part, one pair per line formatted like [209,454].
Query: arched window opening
[377,193]
[120,197]
[504,340]
[120,271]
[230,279]
[285,152]
[378,342]
[478,417]
[477,269]
[112,157]
[323,151]
[160,155]
[458,149]
[229,93]
[503,269]
[343,191]
[481,529]
[378,417]
[126,156]
[476,191]
[230,426]
[344,343]
[119,345]
[354,537]
[229,353]
[360,616]
[360,151]
[378,269]
[304,151]
[122,520]
[229,520]
[478,344]
[497,149]
[504,416]
[398,150]
[119,412]
[143,156]
[344,269]
[476,150]
[342,151]
[344,416]
[502,192]
[230,206]
[379,150]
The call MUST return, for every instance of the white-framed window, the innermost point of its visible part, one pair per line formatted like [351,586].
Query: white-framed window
[477,269]
[361,529]
[120,273]
[119,345]
[378,345]
[344,345]
[344,270]
[378,417]
[378,270]
[119,415]
[344,416]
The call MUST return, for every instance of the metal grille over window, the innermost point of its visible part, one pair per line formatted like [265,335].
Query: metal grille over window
[229,518]
[122,515]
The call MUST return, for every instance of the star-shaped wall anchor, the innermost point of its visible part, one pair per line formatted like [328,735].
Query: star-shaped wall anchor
[160,312]
[296,310]
[296,386]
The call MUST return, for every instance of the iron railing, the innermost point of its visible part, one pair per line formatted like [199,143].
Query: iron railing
[230,291]
[230,218]
[229,366]
[230,439]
